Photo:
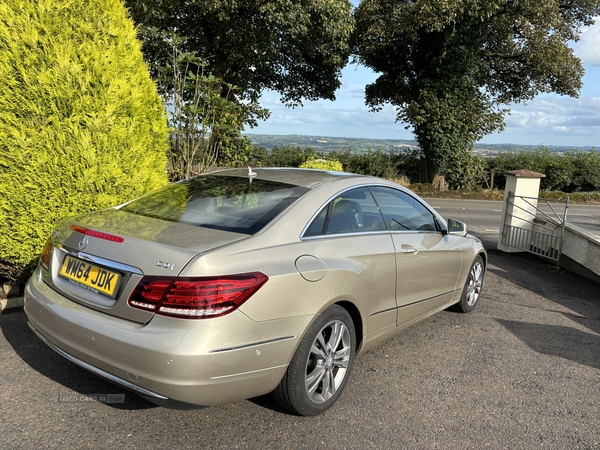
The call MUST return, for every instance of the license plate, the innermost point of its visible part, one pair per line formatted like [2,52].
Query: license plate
[90,276]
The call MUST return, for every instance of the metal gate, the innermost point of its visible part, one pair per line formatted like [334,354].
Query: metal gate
[535,229]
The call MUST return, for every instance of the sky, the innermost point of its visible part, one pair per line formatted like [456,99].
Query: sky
[546,120]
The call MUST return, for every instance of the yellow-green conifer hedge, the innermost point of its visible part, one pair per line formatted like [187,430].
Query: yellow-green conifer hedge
[81,124]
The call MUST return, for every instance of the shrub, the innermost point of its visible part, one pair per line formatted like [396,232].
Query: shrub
[259,156]
[586,171]
[82,126]
[572,172]
[237,152]
[407,163]
[323,164]
[205,125]
[378,163]
[289,156]
[464,170]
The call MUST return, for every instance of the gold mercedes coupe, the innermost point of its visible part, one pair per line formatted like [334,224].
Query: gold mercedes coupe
[240,283]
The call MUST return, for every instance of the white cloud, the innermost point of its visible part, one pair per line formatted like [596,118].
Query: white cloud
[554,111]
[588,46]
[552,120]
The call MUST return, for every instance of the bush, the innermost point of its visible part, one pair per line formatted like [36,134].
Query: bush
[378,163]
[238,152]
[259,156]
[586,171]
[574,171]
[464,170]
[288,156]
[82,125]
[407,163]
[323,164]
[205,124]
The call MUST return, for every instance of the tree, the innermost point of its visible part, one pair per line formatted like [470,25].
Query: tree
[451,66]
[295,47]
[81,124]
[205,127]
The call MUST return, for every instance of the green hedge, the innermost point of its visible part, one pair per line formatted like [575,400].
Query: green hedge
[288,156]
[81,124]
[569,172]
[573,171]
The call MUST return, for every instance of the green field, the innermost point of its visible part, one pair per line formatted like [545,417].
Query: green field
[327,144]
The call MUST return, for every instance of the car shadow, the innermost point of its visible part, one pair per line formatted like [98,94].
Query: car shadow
[266,401]
[45,361]
[556,340]
[576,298]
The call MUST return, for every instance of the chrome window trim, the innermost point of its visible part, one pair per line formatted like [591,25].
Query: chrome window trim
[102,261]
[354,233]
[414,232]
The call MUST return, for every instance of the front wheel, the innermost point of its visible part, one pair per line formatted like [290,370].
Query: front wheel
[321,365]
[473,286]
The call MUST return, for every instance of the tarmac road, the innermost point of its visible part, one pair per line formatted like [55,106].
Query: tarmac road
[483,217]
[520,372]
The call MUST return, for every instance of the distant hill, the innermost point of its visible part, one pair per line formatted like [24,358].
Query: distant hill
[328,144]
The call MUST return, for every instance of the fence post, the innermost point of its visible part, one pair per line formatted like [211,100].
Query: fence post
[515,211]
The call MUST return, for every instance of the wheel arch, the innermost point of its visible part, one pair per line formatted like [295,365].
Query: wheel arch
[484,257]
[356,319]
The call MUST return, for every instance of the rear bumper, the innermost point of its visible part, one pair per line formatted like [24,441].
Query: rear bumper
[152,396]
[172,362]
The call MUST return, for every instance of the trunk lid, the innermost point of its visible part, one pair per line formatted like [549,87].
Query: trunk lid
[99,258]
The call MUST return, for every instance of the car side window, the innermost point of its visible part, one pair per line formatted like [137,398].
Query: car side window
[316,226]
[402,212]
[353,211]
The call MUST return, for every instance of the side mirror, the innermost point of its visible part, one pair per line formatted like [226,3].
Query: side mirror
[457,228]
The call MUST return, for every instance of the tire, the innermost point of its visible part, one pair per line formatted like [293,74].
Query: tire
[321,366]
[473,285]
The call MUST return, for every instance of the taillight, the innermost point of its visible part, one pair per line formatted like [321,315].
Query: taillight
[45,257]
[195,297]
[97,234]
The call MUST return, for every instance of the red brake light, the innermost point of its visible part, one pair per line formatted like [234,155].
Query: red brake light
[45,257]
[97,234]
[195,297]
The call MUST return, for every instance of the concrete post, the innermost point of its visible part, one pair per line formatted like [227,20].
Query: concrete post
[520,183]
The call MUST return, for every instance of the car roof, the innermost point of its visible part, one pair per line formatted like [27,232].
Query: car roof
[308,178]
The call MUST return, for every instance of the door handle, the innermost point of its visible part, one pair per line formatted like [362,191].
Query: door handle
[409,249]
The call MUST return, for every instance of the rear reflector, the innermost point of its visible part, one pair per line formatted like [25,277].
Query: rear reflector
[97,234]
[195,297]
[45,257]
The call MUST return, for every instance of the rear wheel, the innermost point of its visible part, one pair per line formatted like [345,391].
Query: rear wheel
[473,286]
[321,365]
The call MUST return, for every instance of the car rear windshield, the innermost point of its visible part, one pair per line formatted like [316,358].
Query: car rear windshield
[237,204]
